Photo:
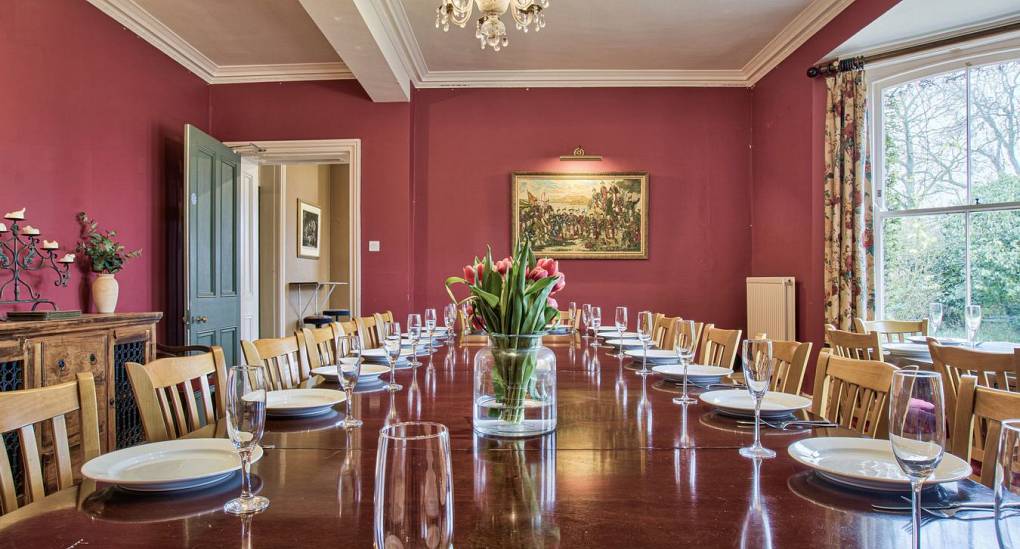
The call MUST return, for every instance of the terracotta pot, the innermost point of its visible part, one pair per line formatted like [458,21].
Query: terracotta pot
[104,293]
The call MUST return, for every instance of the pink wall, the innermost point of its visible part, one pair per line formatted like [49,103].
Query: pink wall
[693,142]
[339,110]
[788,167]
[87,109]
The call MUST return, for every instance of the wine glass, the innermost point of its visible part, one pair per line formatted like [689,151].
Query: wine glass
[621,325]
[466,326]
[393,347]
[246,421]
[449,320]
[414,486]
[596,322]
[586,318]
[757,360]
[572,316]
[644,331]
[1007,482]
[414,334]
[684,348]
[917,430]
[972,317]
[348,375]
[430,325]
[934,318]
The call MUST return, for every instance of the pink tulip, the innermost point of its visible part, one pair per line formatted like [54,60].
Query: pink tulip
[538,273]
[469,274]
[559,283]
[551,302]
[550,265]
[503,265]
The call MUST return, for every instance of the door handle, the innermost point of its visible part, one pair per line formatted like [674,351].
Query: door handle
[201,319]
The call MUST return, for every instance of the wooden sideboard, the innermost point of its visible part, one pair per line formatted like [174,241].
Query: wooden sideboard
[42,353]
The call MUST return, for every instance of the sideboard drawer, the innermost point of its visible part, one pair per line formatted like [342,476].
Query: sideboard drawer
[62,357]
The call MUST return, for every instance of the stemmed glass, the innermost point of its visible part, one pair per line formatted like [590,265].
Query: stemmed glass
[392,346]
[934,318]
[414,486]
[466,326]
[348,375]
[449,320]
[414,334]
[586,318]
[757,359]
[246,421]
[621,325]
[595,319]
[684,349]
[972,316]
[644,331]
[572,316]
[917,431]
[430,325]
[1007,482]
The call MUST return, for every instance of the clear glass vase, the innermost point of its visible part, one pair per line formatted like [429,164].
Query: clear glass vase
[515,387]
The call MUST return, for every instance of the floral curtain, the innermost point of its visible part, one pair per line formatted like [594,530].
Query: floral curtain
[849,247]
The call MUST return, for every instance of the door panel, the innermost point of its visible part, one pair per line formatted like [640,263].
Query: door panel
[213,306]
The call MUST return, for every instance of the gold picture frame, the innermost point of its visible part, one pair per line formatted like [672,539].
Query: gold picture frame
[309,230]
[568,215]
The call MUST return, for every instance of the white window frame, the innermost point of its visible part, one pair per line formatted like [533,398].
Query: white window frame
[883,75]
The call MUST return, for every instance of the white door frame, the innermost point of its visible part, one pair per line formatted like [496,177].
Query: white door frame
[318,151]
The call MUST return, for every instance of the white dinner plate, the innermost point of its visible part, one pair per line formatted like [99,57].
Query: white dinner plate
[181,464]
[379,355]
[698,373]
[557,330]
[867,463]
[656,356]
[923,340]
[626,343]
[369,372]
[302,402]
[738,402]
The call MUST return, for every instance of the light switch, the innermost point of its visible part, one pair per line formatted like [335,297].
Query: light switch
[373,245]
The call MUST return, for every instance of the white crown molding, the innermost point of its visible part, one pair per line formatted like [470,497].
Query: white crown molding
[152,30]
[582,79]
[808,22]
[954,32]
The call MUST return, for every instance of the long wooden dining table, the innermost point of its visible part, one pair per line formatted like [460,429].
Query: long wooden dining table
[612,475]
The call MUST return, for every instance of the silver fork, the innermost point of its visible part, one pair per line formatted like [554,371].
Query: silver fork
[788,424]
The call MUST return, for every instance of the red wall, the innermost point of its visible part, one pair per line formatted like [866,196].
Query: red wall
[341,110]
[693,142]
[86,110]
[788,167]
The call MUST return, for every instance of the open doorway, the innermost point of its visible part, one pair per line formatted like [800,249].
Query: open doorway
[305,201]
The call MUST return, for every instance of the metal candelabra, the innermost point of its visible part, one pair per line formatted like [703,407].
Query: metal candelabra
[20,254]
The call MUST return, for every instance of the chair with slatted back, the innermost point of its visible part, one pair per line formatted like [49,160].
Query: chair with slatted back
[682,334]
[21,410]
[995,370]
[892,331]
[348,327]
[320,344]
[719,347]
[285,364]
[382,324]
[789,365]
[387,316]
[979,413]
[165,392]
[855,394]
[662,332]
[565,319]
[367,333]
[854,345]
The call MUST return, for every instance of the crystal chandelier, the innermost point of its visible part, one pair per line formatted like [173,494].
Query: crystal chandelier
[490,30]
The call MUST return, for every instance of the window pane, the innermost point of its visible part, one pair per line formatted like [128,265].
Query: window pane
[995,133]
[923,261]
[995,264]
[925,123]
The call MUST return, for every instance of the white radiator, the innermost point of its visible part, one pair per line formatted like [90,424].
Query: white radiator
[771,307]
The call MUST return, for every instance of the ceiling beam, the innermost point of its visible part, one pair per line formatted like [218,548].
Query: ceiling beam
[357,31]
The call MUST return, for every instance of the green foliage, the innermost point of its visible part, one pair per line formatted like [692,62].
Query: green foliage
[106,254]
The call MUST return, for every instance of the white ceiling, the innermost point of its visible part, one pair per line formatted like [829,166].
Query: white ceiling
[913,21]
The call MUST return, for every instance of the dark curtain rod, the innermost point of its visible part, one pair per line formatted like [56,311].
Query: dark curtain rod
[857,63]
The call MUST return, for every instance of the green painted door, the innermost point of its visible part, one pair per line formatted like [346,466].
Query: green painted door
[213,312]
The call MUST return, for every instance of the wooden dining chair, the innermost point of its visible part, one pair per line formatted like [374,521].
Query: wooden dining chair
[20,410]
[348,327]
[367,333]
[719,347]
[282,357]
[320,344]
[854,345]
[995,370]
[855,394]
[663,331]
[165,392]
[789,365]
[978,422]
[387,316]
[892,331]
[565,319]
[683,335]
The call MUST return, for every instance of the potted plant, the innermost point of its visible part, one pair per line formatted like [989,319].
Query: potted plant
[107,258]
[515,376]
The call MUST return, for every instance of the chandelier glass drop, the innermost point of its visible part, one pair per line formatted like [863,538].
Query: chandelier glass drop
[490,30]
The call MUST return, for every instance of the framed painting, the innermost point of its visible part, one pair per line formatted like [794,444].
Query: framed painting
[582,215]
[309,229]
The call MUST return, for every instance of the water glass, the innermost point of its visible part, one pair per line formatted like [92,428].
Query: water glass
[621,326]
[414,334]
[348,375]
[392,345]
[756,355]
[1007,485]
[246,421]
[595,320]
[644,331]
[934,318]
[586,318]
[414,489]
[430,325]
[684,348]
[450,319]
[917,430]
[972,317]
[572,316]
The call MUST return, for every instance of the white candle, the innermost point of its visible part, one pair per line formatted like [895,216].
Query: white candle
[68,258]
[3,228]
[17,214]
[30,230]
[50,244]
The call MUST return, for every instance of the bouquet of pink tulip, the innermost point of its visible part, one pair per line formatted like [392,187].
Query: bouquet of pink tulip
[512,300]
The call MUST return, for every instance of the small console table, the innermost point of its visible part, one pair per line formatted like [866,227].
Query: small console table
[315,296]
